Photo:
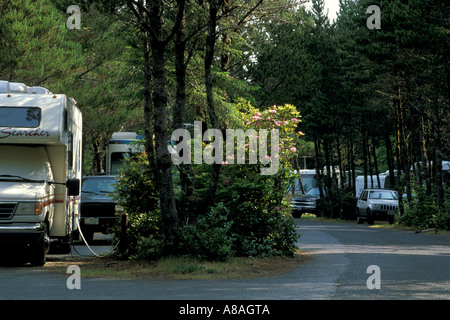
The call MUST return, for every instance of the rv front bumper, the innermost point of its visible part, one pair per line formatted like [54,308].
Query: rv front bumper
[21,232]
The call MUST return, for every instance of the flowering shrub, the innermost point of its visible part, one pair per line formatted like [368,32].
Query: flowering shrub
[262,223]
[285,119]
[249,215]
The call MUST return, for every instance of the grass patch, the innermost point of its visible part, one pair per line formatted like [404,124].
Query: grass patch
[182,267]
[313,217]
[377,224]
[309,216]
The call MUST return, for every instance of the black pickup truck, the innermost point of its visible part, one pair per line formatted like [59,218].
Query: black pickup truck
[98,208]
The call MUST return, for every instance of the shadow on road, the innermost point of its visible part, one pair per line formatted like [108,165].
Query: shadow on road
[17,256]
[14,256]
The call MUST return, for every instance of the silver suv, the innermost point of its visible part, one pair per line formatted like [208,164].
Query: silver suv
[376,204]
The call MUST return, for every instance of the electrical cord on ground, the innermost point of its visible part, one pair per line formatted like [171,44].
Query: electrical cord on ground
[87,245]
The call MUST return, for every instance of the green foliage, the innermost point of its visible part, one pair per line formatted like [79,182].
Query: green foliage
[249,215]
[136,193]
[261,234]
[249,222]
[424,211]
[136,190]
[34,44]
[259,219]
[144,236]
[208,238]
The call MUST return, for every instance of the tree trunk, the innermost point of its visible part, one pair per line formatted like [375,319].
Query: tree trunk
[329,182]
[318,165]
[352,164]
[390,159]
[341,167]
[399,149]
[98,164]
[438,156]
[186,172]
[335,187]
[163,160]
[148,109]
[209,56]
[149,15]
[364,152]
[375,162]
[424,157]
[369,162]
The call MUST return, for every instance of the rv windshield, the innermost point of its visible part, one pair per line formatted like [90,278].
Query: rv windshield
[21,117]
[20,162]
[308,181]
[117,160]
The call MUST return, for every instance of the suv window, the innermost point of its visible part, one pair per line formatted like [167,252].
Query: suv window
[364,196]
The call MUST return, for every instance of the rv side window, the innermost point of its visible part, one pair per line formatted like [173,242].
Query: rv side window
[22,117]
[70,152]
[65,121]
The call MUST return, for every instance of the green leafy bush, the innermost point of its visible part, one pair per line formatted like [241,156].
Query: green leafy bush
[261,221]
[424,211]
[144,236]
[208,237]
[137,194]
[249,215]
[135,189]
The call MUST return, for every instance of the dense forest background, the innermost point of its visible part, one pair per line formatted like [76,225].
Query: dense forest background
[374,100]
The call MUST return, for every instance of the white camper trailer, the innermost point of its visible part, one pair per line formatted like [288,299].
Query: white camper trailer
[40,169]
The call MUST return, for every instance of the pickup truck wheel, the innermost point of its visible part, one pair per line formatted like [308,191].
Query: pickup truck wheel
[359,220]
[370,219]
[297,214]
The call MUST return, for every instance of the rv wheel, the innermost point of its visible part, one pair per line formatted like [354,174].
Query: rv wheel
[38,250]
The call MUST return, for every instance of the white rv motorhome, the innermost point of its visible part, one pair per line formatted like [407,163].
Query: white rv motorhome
[123,145]
[40,169]
[384,181]
[120,146]
[308,179]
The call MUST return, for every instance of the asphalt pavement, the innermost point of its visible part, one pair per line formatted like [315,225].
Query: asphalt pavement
[408,266]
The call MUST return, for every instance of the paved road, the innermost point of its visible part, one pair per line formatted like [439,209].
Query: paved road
[411,266]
